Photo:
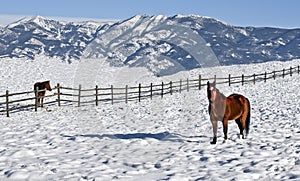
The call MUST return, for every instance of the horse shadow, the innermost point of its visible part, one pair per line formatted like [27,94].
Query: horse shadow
[162,136]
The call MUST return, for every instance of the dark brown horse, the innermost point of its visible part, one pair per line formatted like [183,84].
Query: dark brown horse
[221,108]
[43,86]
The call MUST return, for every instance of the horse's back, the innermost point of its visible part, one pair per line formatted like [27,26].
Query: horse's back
[238,102]
[39,86]
[238,97]
[42,85]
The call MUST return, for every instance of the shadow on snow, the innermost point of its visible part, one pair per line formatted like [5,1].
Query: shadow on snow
[163,136]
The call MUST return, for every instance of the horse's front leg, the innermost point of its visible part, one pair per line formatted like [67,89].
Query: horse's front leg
[215,129]
[38,102]
[42,102]
[225,128]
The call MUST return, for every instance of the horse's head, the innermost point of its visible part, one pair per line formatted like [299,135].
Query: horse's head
[211,91]
[47,85]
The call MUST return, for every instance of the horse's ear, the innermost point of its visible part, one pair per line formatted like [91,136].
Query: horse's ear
[213,84]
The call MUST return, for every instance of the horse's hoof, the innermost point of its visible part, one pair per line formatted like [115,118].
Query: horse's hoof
[213,142]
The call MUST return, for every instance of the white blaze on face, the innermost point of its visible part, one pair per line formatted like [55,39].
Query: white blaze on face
[213,92]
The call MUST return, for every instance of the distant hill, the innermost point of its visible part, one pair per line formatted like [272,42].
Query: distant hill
[164,45]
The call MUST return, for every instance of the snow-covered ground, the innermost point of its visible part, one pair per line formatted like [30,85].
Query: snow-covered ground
[162,139]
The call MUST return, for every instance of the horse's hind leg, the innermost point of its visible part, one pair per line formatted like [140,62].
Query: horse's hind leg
[38,102]
[225,128]
[241,127]
[243,121]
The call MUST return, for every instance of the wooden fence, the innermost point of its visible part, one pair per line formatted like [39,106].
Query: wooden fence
[14,102]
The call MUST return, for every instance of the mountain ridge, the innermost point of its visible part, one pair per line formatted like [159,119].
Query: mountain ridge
[162,44]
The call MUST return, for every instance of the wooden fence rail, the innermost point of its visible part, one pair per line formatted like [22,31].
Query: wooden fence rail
[10,102]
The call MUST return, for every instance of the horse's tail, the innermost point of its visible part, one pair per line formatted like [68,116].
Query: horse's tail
[248,117]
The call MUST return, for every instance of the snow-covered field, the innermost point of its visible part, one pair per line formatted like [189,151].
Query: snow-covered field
[162,139]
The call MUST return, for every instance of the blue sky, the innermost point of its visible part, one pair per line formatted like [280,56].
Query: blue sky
[275,13]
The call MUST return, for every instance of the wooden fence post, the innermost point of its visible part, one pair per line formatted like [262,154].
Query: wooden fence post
[112,94]
[79,94]
[126,94]
[274,75]
[242,79]
[187,85]
[171,88]
[180,85]
[162,89]
[58,94]
[254,77]
[291,71]
[298,69]
[229,77]
[97,95]
[7,103]
[283,73]
[200,82]
[151,90]
[265,76]
[36,99]
[215,79]
[140,92]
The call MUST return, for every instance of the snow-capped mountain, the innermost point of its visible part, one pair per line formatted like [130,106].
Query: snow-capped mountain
[32,36]
[165,45]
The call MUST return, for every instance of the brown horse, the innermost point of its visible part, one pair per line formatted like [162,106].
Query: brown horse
[43,86]
[221,108]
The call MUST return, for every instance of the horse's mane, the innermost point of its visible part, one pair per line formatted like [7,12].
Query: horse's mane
[222,95]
